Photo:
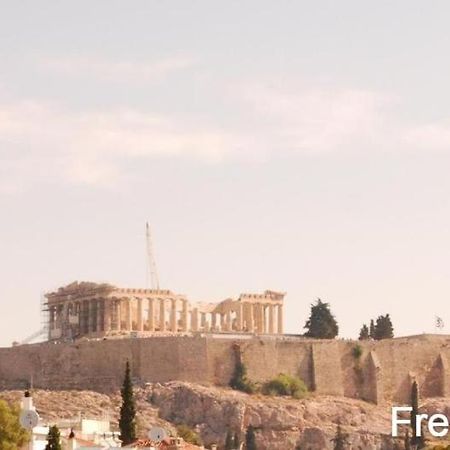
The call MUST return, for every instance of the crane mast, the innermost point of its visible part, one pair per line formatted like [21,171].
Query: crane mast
[152,272]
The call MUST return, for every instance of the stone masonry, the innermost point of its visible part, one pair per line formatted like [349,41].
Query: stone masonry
[384,371]
[98,310]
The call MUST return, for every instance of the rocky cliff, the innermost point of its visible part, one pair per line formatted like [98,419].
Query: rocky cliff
[280,423]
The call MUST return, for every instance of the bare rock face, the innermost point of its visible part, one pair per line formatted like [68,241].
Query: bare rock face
[280,423]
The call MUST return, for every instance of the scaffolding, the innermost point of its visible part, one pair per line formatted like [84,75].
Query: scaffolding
[43,332]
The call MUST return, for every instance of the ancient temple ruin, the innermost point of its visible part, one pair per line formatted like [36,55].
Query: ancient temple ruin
[99,310]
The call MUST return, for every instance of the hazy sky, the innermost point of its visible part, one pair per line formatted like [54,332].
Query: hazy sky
[293,145]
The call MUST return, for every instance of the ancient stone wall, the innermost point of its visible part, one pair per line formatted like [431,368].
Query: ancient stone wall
[374,371]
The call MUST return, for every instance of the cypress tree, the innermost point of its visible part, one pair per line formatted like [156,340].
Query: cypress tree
[415,408]
[229,444]
[321,323]
[418,441]
[364,333]
[236,441]
[340,439]
[372,330]
[53,439]
[127,420]
[383,328]
[250,438]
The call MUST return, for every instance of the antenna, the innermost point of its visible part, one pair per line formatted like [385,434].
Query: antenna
[152,272]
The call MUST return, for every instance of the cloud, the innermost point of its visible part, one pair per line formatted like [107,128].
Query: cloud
[41,141]
[431,136]
[117,71]
[320,120]
[45,142]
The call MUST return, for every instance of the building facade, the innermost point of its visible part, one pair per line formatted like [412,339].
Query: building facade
[98,310]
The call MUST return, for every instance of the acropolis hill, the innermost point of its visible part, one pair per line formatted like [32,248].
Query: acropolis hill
[94,329]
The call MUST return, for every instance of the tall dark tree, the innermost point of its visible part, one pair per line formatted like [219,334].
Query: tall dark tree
[372,330]
[364,333]
[127,420]
[340,439]
[383,328]
[250,438]
[236,441]
[321,323]
[417,441]
[53,439]
[229,444]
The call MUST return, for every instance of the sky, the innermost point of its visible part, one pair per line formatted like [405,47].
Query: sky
[293,145]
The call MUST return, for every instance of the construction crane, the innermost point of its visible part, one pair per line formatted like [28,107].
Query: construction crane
[152,272]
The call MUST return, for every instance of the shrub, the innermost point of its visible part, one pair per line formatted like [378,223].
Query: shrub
[189,435]
[285,385]
[357,351]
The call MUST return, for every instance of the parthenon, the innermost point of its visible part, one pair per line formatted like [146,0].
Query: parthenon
[86,309]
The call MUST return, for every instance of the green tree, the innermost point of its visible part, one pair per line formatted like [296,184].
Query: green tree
[321,323]
[372,330]
[229,444]
[340,439]
[250,438]
[383,328]
[53,439]
[417,441]
[127,420]
[188,435]
[239,380]
[415,409]
[236,441]
[12,435]
[364,333]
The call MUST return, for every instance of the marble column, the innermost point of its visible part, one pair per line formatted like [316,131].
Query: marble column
[185,315]
[207,325]
[250,318]
[86,316]
[100,315]
[222,322]
[173,315]
[107,315]
[239,318]
[65,321]
[257,317]
[203,321]
[151,315]
[228,320]
[162,315]
[194,319]
[263,318]
[129,318]
[140,315]
[271,319]
[119,314]
[280,319]
[92,319]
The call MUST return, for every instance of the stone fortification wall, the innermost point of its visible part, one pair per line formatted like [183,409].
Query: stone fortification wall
[377,371]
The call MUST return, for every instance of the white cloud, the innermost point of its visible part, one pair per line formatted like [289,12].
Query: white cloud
[42,141]
[320,120]
[118,71]
[432,136]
